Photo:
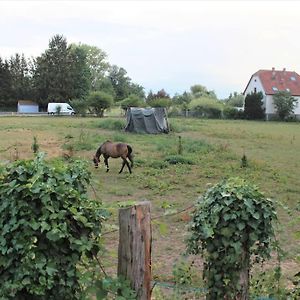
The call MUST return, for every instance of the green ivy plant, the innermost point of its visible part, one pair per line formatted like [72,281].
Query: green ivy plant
[232,225]
[47,224]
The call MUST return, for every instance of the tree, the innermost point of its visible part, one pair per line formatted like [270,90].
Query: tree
[5,83]
[254,106]
[97,63]
[105,85]
[98,102]
[80,73]
[284,103]
[183,100]
[122,84]
[20,77]
[53,72]
[235,100]
[161,94]
[199,91]
[132,101]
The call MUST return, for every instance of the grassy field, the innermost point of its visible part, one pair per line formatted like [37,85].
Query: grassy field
[211,150]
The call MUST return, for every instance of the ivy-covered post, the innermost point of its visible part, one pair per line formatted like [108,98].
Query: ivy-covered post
[231,227]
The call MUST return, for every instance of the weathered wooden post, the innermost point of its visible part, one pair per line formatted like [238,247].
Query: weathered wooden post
[134,255]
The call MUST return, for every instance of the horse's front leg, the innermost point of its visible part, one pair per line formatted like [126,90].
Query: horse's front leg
[123,164]
[106,163]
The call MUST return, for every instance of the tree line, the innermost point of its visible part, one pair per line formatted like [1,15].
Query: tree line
[63,73]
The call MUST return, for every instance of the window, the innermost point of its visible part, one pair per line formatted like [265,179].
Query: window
[274,88]
[293,78]
[255,90]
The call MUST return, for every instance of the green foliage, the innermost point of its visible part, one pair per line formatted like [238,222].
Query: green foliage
[158,164]
[35,146]
[178,159]
[47,224]
[232,222]
[96,61]
[199,91]
[183,100]
[80,106]
[112,124]
[160,102]
[122,85]
[206,107]
[111,288]
[235,100]
[284,103]
[230,112]
[98,102]
[55,71]
[132,101]
[244,161]
[254,106]
[58,109]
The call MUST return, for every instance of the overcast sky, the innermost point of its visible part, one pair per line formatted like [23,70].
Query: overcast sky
[165,44]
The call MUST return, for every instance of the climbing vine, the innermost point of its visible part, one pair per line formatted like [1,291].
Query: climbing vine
[47,224]
[231,226]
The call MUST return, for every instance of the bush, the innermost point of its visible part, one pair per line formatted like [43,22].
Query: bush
[231,225]
[254,106]
[178,159]
[230,112]
[80,106]
[47,224]
[206,108]
[132,101]
[160,102]
[98,102]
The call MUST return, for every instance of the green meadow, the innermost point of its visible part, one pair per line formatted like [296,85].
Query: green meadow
[173,172]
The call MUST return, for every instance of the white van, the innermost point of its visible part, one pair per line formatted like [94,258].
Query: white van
[61,108]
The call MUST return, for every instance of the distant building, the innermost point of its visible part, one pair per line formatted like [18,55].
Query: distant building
[27,107]
[271,81]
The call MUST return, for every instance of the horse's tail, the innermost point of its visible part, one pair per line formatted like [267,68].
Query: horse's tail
[130,154]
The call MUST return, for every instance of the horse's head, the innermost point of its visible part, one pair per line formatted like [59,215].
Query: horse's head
[96,161]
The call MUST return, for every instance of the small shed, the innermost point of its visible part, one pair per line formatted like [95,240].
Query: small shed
[147,120]
[27,107]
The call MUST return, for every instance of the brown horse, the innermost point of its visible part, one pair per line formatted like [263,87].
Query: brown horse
[114,150]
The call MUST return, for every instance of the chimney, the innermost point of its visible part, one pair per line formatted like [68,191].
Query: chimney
[273,73]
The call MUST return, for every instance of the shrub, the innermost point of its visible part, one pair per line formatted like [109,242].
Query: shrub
[80,106]
[206,108]
[98,102]
[254,106]
[231,223]
[160,102]
[47,224]
[178,159]
[230,112]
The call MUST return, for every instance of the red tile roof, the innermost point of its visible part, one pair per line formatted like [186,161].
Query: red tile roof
[282,80]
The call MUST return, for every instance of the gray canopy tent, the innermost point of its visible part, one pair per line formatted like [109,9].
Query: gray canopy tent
[147,120]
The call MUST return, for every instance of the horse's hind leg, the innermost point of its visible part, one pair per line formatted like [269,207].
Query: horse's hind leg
[131,160]
[125,162]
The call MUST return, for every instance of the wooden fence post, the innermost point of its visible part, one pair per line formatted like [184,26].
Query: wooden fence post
[134,254]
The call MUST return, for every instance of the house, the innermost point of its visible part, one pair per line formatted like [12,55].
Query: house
[27,107]
[271,81]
